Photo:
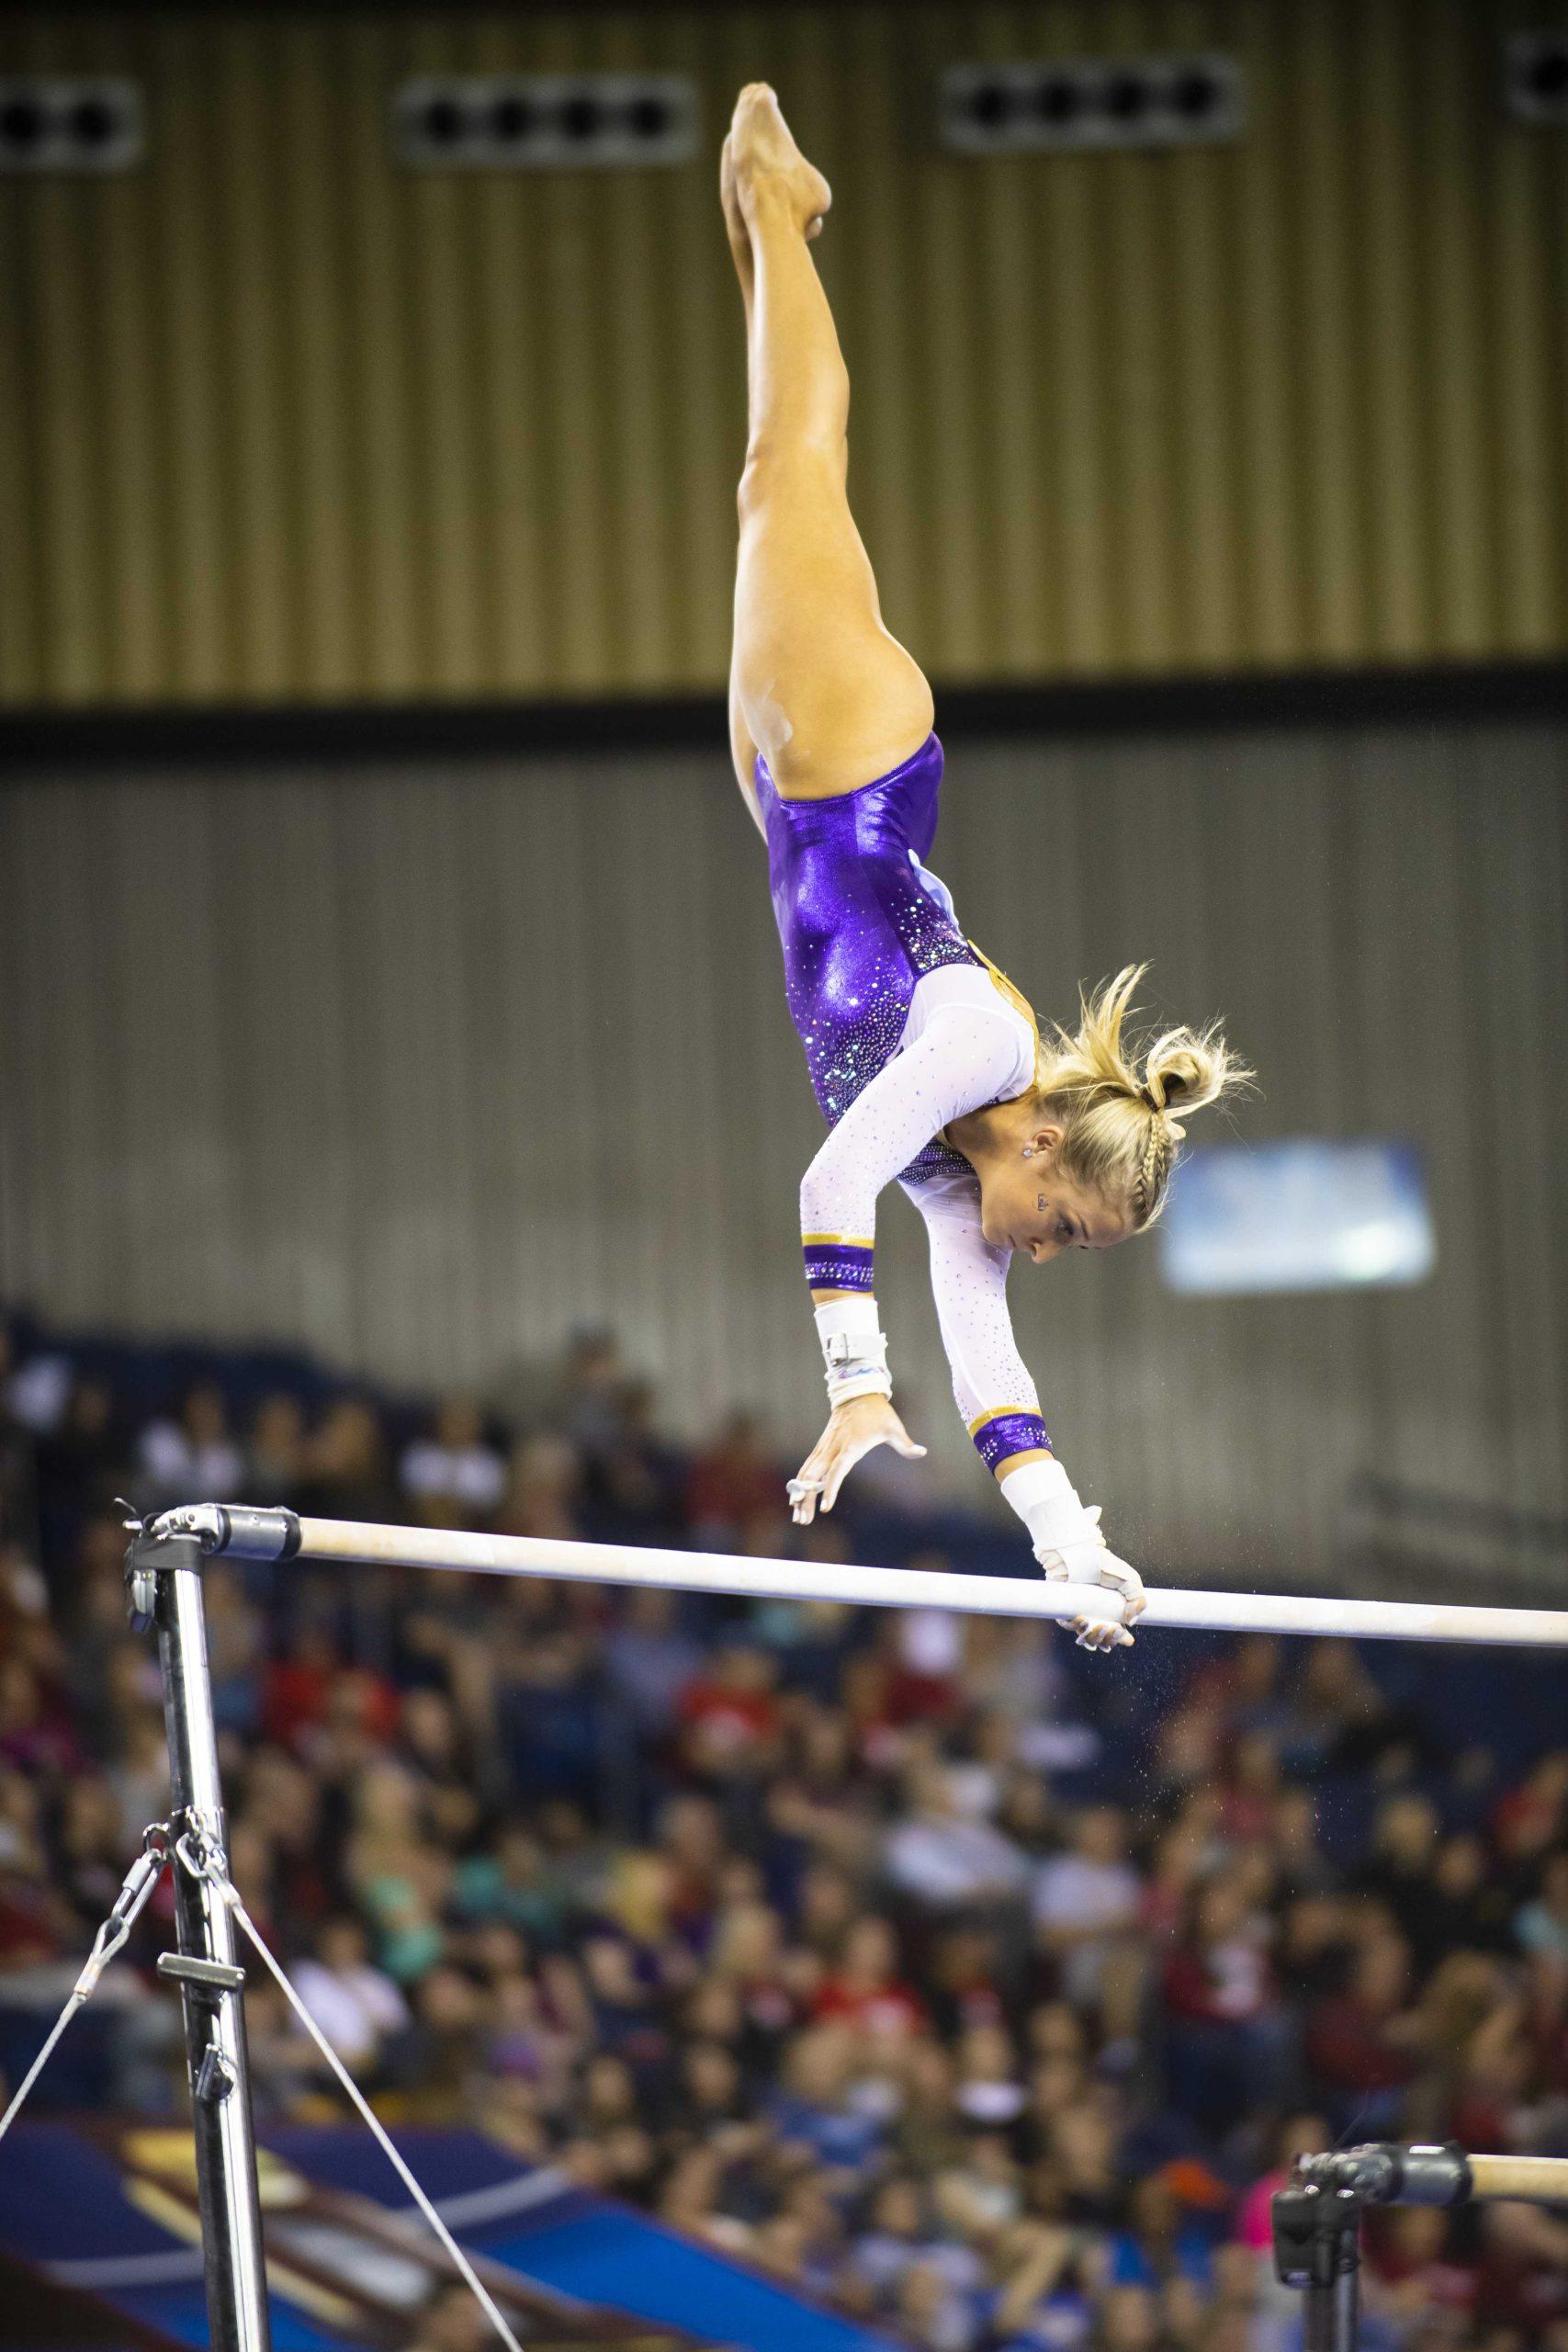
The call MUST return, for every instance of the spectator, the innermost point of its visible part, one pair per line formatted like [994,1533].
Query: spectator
[593,1392]
[732,1483]
[1086,1900]
[649,1661]
[357,2006]
[1469,1909]
[1543,1923]
[864,1990]
[190,1458]
[815,2108]
[35,1921]
[1414,2275]
[345,1470]
[1159,2243]
[544,1480]
[941,1861]
[37,1735]
[510,1881]
[1398,1871]
[452,1477]
[898,2224]
[276,1454]
[1533,1817]
[88,1846]
[1303,1868]
[635,1483]
[79,1463]
[730,1716]
[298,1685]
[926,2313]
[1229,2037]
[139,1774]
[1361,2043]
[990,2091]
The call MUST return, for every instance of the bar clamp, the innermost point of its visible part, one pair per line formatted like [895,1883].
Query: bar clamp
[191,1533]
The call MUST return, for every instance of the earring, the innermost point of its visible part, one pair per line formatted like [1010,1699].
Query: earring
[1029,1151]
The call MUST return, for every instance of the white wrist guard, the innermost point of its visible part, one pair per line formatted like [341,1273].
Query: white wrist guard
[854,1349]
[1062,1530]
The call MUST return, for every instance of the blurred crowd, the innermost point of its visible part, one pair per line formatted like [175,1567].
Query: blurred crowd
[978,1989]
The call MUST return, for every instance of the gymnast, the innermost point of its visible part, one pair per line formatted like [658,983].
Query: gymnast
[927,1062]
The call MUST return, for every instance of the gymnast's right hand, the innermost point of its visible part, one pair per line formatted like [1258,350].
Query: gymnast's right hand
[1093,1562]
[854,1430]
[1071,1550]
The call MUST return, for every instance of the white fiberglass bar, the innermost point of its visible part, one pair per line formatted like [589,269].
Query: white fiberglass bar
[1542,2179]
[1230,1613]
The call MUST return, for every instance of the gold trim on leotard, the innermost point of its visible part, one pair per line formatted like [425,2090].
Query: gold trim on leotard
[1019,1001]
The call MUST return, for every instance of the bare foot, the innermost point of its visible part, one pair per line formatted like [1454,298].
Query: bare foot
[763,154]
[735,223]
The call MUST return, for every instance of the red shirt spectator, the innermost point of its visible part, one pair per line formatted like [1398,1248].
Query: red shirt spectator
[1533,1817]
[36,1734]
[864,1990]
[1219,1972]
[31,1922]
[1523,2269]
[731,1716]
[1362,2039]
[300,1690]
[1407,2252]
[1250,1789]
[734,1481]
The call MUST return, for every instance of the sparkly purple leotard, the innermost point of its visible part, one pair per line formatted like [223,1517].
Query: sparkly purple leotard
[860,918]
[862,923]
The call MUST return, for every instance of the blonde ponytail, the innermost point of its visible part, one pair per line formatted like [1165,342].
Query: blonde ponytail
[1114,1097]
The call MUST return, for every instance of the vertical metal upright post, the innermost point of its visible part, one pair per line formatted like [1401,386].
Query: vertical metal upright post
[1331,2317]
[1317,2248]
[204,1967]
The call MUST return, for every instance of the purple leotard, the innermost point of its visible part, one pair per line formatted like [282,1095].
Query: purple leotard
[860,921]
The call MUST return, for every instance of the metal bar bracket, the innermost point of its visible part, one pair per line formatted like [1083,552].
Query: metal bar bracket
[209,1975]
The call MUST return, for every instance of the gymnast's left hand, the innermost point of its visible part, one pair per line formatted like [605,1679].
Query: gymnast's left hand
[852,1432]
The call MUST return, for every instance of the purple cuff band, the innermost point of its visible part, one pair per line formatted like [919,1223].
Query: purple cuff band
[839,1265]
[1007,1433]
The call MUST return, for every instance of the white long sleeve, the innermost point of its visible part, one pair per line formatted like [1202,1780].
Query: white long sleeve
[965,1047]
[991,1384]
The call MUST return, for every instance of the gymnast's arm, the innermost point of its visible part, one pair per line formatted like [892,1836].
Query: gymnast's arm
[1000,1406]
[968,1053]
[992,1386]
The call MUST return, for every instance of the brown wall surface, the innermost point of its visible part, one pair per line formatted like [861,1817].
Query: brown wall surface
[282,422]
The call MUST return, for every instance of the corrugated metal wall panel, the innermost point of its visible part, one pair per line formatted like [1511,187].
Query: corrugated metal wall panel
[427,1067]
[282,422]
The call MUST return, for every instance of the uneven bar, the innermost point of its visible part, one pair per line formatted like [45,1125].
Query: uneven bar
[1231,1612]
[1543,2180]
[1384,2173]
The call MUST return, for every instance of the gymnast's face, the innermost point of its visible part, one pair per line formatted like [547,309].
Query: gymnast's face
[1028,1205]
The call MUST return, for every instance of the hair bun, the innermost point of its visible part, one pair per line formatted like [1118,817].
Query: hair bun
[1184,1070]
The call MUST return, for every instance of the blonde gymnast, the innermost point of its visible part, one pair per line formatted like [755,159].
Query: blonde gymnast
[928,1064]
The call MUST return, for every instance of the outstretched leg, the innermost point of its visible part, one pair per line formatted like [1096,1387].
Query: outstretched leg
[742,749]
[816,683]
